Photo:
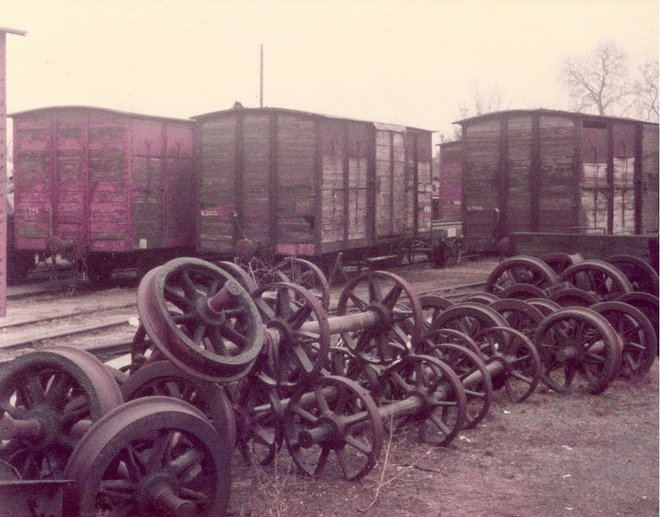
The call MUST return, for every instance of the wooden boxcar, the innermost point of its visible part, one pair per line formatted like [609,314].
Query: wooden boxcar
[106,188]
[310,185]
[546,171]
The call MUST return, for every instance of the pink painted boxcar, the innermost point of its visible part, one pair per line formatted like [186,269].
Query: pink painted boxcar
[307,184]
[109,189]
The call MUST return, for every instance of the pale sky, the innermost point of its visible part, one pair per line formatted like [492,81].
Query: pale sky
[405,62]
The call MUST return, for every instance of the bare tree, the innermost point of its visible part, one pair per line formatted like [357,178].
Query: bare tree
[646,91]
[598,81]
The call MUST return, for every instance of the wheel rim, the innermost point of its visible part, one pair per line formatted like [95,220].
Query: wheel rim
[597,277]
[432,306]
[308,275]
[149,456]
[173,303]
[468,318]
[519,315]
[574,297]
[579,351]
[640,274]
[64,390]
[335,427]
[521,269]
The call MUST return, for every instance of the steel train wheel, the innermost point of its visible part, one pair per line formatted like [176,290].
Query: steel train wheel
[400,316]
[48,400]
[520,270]
[174,303]
[560,261]
[432,306]
[544,305]
[523,292]
[597,277]
[639,339]
[579,351]
[164,378]
[443,404]
[308,275]
[468,318]
[647,303]
[239,274]
[519,315]
[337,420]
[259,415]
[444,335]
[483,298]
[301,352]
[574,297]
[640,274]
[151,456]
[518,356]
[471,369]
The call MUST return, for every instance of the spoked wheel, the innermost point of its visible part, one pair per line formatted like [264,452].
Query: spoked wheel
[201,319]
[259,421]
[579,351]
[164,378]
[398,313]
[432,306]
[150,456]
[640,274]
[300,334]
[560,261]
[49,399]
[520,270]
[342,362]
[523,292]
[544,305]
[597,277]
[639,339]
[308,275]
[338,420]
[574,297]
[239,274]
[452,336]
[519,315]
[483,298]
[441,402]
[474,376]
[647,303]
[468,318]
[518,360]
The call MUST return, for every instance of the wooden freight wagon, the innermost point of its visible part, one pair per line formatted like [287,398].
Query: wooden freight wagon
[298,183]
[546,171]
[105,188]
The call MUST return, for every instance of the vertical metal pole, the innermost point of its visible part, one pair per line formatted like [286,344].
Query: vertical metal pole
[3,179]
[3,168]
[261,76]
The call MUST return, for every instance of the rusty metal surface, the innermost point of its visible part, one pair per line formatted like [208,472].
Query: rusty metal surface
[24,498]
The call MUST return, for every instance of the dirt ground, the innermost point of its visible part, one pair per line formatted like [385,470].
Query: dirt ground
[552,455]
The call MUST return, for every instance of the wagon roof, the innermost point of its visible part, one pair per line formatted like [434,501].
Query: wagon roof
[96,109]
[543,111]
[379,125]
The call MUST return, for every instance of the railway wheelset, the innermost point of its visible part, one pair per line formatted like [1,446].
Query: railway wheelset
[220,363]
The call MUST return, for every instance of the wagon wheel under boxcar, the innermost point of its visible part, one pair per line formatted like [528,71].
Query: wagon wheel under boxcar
[517,353]
[308,275]
[560,261]
[334,425]
[597,277]
[48,400]
[150,456]
[640,274]
[303,335]
[201,319]
[639,338]
[399,315]
[164,378]
[579,350]
[520,270]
